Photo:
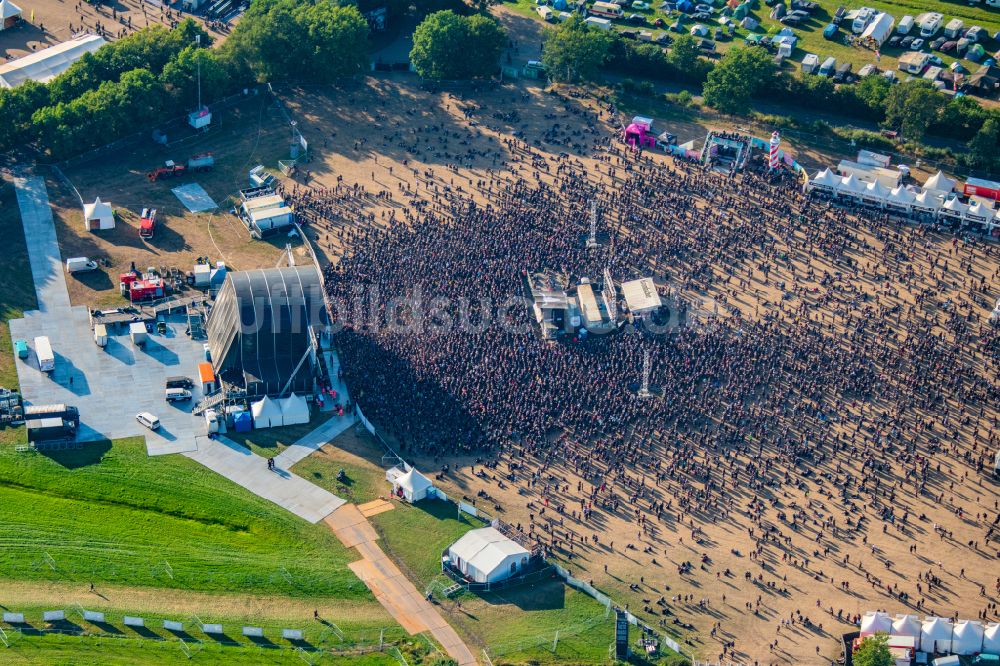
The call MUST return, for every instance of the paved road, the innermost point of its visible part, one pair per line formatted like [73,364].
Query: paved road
[392,589]
[238,464]
[43,247]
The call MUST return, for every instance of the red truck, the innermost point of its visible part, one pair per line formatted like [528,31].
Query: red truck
[138,288]
[147,222]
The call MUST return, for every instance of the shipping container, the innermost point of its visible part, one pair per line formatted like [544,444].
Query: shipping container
[137,331]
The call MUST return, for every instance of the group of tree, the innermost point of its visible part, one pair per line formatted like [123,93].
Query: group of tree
[449,46]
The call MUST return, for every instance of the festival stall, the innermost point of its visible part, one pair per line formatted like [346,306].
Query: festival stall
[875,194]
[266,413]
[979,213]
[935,635]
[953,210]
[991,638]
[967,638]
[824,181]
[874,622]
[940,184]
[900,200]
[906,625]
[850,188]
[637,135]
[294,410]
[412,486]
[926,203]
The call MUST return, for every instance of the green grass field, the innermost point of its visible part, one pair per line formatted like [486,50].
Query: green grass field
[356,455]
[109,513]
[269,442]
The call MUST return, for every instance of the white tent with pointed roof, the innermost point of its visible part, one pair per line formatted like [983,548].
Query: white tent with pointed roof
[98,215]
[906,625]
[939,183]
[900,199]
[412,486]
[266,413]
[850,186]
[991,638]
[968,637]
[935,635]
[294,410]
[873,622]
[954,209]
[875,194]
[824,180]
[979,213]
[9,14]
[926,202]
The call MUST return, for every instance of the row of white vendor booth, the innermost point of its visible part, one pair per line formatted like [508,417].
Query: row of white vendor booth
[933,635]
[927,201]
[276,412]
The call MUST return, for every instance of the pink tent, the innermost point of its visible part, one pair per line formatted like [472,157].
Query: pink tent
[635,135]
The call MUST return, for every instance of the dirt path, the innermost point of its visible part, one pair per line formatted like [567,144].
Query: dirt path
[399,596]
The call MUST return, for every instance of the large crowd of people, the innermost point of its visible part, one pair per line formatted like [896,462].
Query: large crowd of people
[824,349]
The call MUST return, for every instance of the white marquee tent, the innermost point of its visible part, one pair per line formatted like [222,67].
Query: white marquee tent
[875,194]
[940,183]
[968,637]
[45,65]
[294,410]
[266,413]
[98,215]
[980,213]
[850,187]
[413,485]
[935,635]
[9,13]
[873,622]
[926,202]
[906,625]
[991,638]
[825,181]
[900,199]
[486,555]
[954,209]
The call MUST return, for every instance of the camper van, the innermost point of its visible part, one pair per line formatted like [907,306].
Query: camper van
[828,66]
[43,352]
[545,13]
[864,16]
[954,28]
[606,9]
[905,25]
[599,23]
[930,25]
[810,63]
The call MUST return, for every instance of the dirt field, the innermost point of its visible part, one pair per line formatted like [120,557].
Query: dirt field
[251,133]
[56,21]
[375,135]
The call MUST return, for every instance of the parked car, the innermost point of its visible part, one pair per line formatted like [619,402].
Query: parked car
[791,20]
[636,19]
[917,44]
[948,46]
[907,41]
[804,5]
[838,16]
[703,8]
[936,44]
[148,420]
[639,4]
[894,41]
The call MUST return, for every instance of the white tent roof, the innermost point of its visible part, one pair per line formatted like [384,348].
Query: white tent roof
[968,637]
[877,190]
[850,184]
[880,28]
[45,65]
[8,10]
[901,195]
[873,622]
[826,178]
[927,199]
[97,210]
[940,183]
[485,548]
[414,481]
[266,409]
[935,629]
[294,409]
[980,211]
[991,638]
[955,206]
[905,625]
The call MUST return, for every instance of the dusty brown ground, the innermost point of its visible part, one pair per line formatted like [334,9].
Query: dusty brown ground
[365,132]
[53,20]
[251,133]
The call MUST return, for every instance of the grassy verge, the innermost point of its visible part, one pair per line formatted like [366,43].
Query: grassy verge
[108,513]
[360,458]
[17,292]
[269,442]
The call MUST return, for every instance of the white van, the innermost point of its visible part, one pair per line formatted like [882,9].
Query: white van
[930,25]
[905,25]
[828,66]
[954,28]
[545,13]
[148,420]
[607,9]
[177,394]
[810,63]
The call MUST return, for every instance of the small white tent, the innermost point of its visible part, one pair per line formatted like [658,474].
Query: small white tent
[851,187]
[294,410]
[954,209]
[979,213]
[9,14]
[412,486]
[939,183]
[485,555]
[935,635]
[98,215]
[926,202]
[266,413]
[991,638]
[968,637]
[873,622]
[900,199]
[906,625]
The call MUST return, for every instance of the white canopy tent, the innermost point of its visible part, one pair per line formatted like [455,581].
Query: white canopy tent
[825,181]
[968,637]
[98,215]
[935,635]
[266,413]
[906,625]
[940,183]
[412,486]
[875,194]
[294,410]
[44,65]
[850,187]
[9,13]
[991,638]
[926,202]
[979,213]
[900,199]
[954,209]
[873,622]
[879,29]
[486,555]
